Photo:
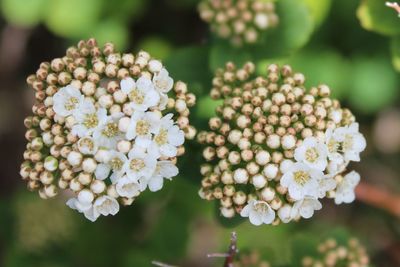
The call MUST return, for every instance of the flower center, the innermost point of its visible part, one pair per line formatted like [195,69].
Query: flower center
[162,137]
[261,207]
[136,96]
[137,164]
[110,130]
[301,177]
[129,187]
[348,142]
[71,103]
[86,142]
[116,163]
[142,127]
[106,204]
[312,154]
[333,146]
[91,121]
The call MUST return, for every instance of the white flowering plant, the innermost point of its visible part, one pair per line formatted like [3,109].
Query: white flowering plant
[275,149]
[106,126]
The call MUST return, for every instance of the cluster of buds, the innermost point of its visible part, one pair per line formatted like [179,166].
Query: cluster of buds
[240,21]
[274,149]
[353,254]
[106,126]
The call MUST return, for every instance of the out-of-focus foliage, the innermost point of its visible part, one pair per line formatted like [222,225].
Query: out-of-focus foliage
[352,46]
[75,19]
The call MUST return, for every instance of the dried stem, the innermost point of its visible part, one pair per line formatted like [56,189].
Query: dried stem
[230,255]
[379,198]
[394,5]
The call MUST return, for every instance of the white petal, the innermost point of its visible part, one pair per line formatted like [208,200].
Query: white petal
[127,85]
[155,183]
[102,171]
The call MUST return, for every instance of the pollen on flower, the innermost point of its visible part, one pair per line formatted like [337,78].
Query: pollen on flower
[101,125]
[137,164]
[110,130]
[301,177]
[274,148]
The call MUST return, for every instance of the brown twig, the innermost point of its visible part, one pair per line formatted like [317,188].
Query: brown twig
[230,255]
[379,198]
[394,5]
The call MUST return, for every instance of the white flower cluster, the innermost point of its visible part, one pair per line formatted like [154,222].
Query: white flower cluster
[312,175]
[109,145]
[130,148]
[274,149]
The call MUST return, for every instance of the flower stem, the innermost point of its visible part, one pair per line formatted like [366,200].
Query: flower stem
[379,198]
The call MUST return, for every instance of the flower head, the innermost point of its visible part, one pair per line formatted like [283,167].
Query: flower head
[106,127]
[242,21]
[338,252]
[276,142]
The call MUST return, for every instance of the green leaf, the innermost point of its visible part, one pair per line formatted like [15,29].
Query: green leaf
[222,52]
[375,16]
[73,18]
[24,13]
[322,66]
[375,84]
[206,107]
[190,65]
[395,49]
[319,10]
[111,31]
[157,47]
[294,30]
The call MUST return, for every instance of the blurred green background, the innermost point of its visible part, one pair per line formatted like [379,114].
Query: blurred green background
[353,46]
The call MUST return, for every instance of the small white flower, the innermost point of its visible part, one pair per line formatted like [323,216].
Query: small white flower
[259,212]
[313,153]
[106,205]
[108,134]
[127,187]
[352,141]
[88,119]
[336,167]
[87,145]
[167,138]
[115,163]
[333,146]
[84,204]
[301,181]
[142,125]
[67,100]
[164,170]
[284,213]
[142,94]
[162,81]
[305,207]
[345,188]
[325,185]
[140,163]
